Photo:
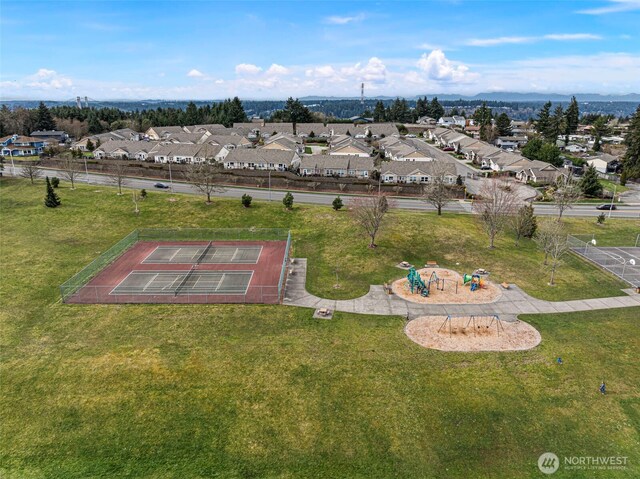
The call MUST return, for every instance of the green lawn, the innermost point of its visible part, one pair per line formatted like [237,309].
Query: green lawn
[264,391]
[610,186]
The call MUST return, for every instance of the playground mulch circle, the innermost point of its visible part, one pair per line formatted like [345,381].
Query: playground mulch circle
[464,295]
[433,332]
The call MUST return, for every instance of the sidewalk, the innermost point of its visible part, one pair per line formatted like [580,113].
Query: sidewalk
[376,301]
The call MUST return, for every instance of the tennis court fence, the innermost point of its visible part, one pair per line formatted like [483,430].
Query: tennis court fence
[80,279]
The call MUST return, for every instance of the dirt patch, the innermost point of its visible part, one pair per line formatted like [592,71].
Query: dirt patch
[483,334]
[489,294]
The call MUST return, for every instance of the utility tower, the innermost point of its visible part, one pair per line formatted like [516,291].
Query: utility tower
[78,102]
[362,94]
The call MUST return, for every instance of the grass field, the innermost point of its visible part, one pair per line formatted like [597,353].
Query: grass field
[263,391]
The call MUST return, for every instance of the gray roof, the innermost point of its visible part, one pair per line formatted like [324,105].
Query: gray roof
[257,155]
[404,168]
[336,162]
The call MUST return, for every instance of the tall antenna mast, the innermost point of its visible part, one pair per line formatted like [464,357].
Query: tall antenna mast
[362,94]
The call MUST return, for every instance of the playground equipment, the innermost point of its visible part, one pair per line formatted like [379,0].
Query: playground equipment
[475,280]
[416,283]
[493,318]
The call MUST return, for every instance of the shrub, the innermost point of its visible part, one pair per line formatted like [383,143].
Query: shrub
[287,201]
[55,181]
[143,193]
[600,219]
[246,200]
[337,203]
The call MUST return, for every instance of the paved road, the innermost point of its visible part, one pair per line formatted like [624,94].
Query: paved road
[624,211]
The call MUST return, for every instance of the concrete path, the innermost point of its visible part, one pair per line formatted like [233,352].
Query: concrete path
[513,301]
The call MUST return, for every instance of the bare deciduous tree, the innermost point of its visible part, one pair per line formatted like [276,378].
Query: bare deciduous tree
[523,223]
[368,212]
[70,170]
[342,186]
[436,191]
[260,182]
[31,171]
[203,177]
[313,185]
[498,201]
[117,175]
[552,239]
[566,193]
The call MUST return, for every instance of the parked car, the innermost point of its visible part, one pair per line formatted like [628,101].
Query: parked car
[607,206]
[162,186]
[448,148]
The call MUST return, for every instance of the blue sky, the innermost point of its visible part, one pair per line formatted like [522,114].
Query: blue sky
[208,49]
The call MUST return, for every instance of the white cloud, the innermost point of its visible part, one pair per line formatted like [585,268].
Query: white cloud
[615,6]
[561,37]
[572,36]
[344,19]
[247,69]
[488,42]
[324,71]
[374,71]
[276,69]
[45,79]
[439,68]
[195,73]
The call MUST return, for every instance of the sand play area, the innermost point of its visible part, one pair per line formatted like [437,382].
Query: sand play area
[448,295]
[481,334]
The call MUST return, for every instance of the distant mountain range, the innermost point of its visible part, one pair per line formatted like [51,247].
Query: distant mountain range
[501,96]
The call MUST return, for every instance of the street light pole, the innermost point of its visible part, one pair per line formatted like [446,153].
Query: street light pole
[612,198]
[86,170]
[170,175]
[269,185]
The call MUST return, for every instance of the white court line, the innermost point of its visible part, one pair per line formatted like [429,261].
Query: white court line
[234,255]
[627,253]
[147,257]
[149,282]
[220,282]
[174,254]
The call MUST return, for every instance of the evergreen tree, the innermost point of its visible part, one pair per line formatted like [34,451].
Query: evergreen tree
[95,126]
[90,145]
[532,149]
[236,113]
[287,201]
[436,110]
[504,124]
[192,115]
[557,125]
[482,117]
[422,107]
[51,200]
[379,113]
[337,203]
[589,183]
[631,159]
[597,143]
[543,123]
[44,120]
[550,153]
[572,116]
[246,200]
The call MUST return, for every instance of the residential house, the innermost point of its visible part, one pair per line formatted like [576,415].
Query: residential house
[346,145]
[538,172]
[51,135]
[575,148]
[261,159]
[459,120]
[229,141]
[604,163]
[446,121]
[418,172]
[186,153]
[284,141]
[138,150]
[336,165]
[19,145]
[163,132]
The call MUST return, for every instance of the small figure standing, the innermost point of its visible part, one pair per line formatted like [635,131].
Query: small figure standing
[559,360]
[603,388]
[407,317]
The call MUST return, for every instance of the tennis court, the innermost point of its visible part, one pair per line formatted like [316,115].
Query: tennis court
[184,271]
[184,282]
[624,262]
[204,254]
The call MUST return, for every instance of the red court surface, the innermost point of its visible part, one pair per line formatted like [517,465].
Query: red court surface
[259,277]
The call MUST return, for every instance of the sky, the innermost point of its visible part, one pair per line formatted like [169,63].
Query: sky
[204,50]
